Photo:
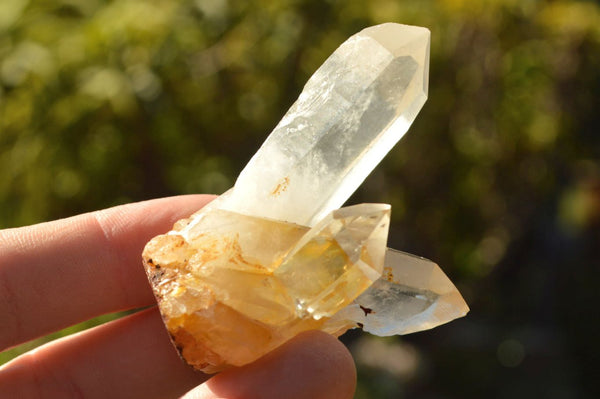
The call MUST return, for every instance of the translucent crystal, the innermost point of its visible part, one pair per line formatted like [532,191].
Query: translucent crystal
[413,294]
[349,247]
[352,111]
[274,256]
[240,286]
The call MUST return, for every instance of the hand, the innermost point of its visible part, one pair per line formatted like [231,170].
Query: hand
[57,274]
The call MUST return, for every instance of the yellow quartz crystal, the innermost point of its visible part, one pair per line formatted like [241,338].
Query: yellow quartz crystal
[237,286]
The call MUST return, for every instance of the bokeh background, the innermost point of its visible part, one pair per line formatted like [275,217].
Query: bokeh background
[107,102]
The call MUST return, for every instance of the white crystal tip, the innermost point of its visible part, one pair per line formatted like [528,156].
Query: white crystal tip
[395,36]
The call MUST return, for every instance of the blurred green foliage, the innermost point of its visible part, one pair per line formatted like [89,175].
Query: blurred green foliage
[105,102]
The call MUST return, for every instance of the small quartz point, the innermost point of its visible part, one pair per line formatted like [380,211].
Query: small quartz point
[413,294]
[274,256]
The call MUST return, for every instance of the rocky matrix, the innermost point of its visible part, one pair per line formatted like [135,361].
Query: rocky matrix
[274,256]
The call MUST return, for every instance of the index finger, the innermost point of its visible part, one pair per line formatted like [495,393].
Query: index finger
[56,274]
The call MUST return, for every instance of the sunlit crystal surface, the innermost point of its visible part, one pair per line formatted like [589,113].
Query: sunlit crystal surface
[274,256]
[352,111]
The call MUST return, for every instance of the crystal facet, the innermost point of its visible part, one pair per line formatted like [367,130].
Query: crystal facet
[274,255]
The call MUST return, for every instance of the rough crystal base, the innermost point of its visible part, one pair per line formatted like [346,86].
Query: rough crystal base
[239,286]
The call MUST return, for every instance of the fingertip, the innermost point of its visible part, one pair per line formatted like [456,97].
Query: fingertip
[331,362]
[312,365]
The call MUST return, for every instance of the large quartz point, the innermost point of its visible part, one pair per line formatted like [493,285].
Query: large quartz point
[352,111]
[274,256]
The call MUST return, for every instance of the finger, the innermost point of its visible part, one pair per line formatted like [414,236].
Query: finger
[313,365]
[127,358]
[56,274]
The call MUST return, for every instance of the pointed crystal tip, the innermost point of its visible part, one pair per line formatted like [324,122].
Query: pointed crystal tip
[413,294]
[352,111]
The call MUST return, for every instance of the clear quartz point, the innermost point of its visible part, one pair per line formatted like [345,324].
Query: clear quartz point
[413,294]
[351,112]
[274,256]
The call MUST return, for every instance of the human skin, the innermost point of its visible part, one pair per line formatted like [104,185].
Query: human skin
[56,274]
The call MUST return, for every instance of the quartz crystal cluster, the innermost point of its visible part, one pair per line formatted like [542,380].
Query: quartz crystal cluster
[274,256]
